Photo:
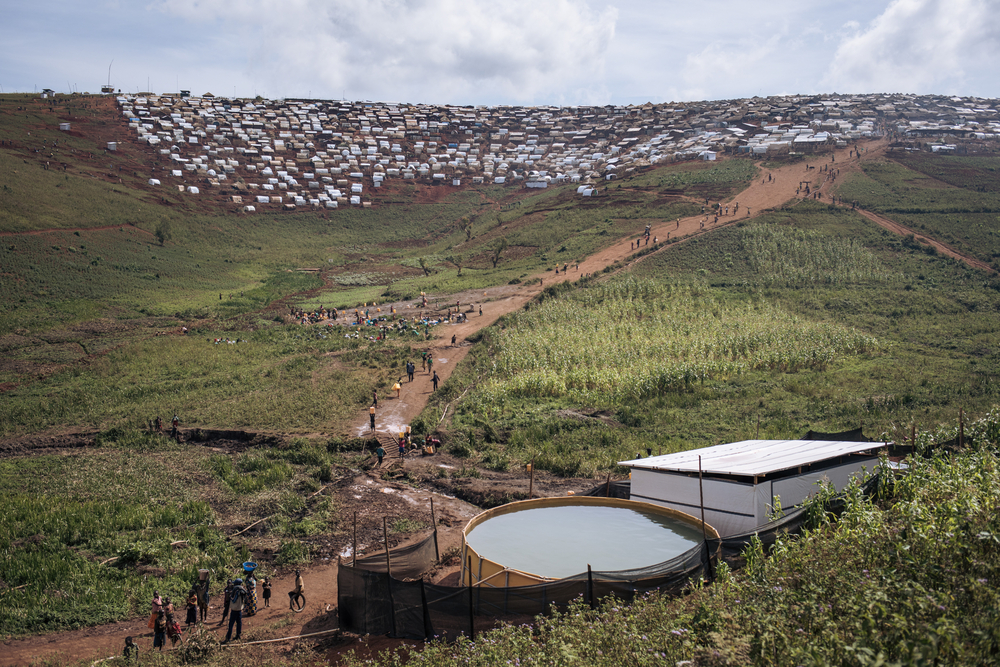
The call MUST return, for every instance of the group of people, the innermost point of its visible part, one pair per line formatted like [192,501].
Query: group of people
[408,443]
[156,426]
[239,601]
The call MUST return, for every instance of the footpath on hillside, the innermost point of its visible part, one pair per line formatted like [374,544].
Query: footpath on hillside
[772,188]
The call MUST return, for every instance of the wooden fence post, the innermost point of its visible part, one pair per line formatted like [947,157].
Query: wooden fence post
[437,552]
[388,573]
[385,533]
[590,585]
[472,616]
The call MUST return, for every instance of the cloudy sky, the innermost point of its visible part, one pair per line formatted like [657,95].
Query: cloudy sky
[528,52]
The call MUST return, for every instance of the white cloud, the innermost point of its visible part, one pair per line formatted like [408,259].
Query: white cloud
[922,46]
[429,51]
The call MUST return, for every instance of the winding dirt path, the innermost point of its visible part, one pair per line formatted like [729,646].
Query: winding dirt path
[942,248]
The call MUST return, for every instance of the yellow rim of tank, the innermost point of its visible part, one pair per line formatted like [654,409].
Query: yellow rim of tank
[485,572]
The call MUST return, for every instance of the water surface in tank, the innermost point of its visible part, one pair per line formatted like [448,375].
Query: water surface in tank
[560,541]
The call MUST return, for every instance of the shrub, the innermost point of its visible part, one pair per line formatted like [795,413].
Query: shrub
[292,552]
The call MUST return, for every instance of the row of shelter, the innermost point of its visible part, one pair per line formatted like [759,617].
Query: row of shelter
[334,153]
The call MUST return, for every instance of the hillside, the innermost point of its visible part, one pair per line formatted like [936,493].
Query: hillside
[797,312]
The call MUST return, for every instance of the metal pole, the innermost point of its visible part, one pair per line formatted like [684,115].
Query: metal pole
[354,553]
[701,498]
[437,552]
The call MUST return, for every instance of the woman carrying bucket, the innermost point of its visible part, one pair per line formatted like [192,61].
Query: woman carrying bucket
[250,608]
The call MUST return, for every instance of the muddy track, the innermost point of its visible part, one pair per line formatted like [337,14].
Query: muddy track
[942,248]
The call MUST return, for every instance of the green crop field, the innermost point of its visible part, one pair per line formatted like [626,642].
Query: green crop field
[954,199]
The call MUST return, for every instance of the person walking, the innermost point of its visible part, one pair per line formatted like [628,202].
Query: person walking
[435,380]
[398,388]
[423,360]
[192,608]
[174,632]
[380,453]
[375,398]
[266,588]
[299,589]
[237,598]
[410,369]
[430,362]
[371,417]
[157,607]
[160,630]
[131,652]
[203,600]
[402,446]
[226,592]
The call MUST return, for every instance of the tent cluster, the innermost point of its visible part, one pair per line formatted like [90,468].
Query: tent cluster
[328,154]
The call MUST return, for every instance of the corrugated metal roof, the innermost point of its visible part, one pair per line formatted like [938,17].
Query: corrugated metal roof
[753,457]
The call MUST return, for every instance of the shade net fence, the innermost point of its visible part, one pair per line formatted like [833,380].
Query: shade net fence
[407,562]
[375,603]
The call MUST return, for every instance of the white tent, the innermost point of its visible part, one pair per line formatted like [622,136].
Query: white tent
[741,481]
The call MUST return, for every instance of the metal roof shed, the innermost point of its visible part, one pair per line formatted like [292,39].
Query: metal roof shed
[741,480]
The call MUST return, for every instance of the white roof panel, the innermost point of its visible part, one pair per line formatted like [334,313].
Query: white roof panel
[753,457]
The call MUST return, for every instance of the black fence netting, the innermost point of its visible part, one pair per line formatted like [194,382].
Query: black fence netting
[853,435]
[617,489]
[407,562]
[372,602]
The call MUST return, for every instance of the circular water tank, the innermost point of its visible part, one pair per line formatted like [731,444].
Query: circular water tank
[534,541]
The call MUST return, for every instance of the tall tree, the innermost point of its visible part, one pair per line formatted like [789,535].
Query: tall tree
[163,232]
[498,249]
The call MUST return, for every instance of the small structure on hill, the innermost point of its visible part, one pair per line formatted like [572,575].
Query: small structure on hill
[742,482]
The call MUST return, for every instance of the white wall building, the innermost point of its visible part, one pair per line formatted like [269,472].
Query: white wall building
[742,480]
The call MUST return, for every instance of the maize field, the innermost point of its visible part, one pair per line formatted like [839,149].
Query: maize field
[633,339]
